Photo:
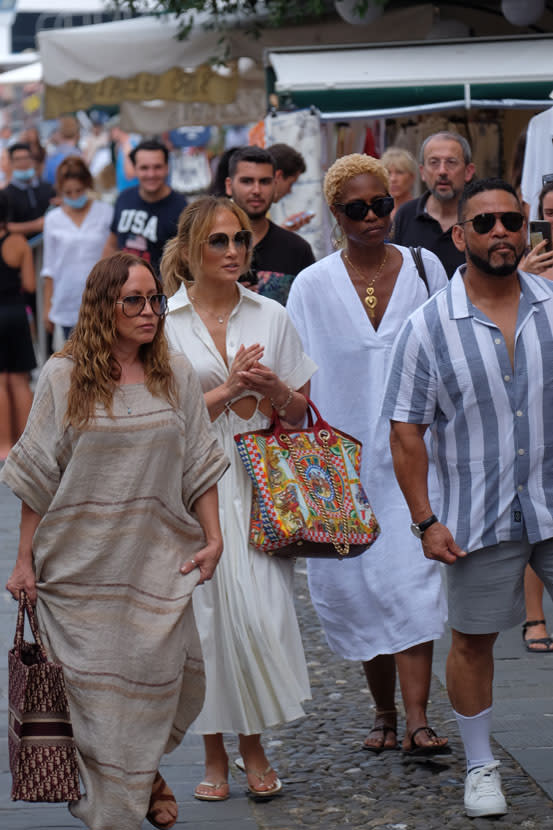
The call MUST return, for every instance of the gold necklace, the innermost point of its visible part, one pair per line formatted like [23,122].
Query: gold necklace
[219,317]
[371,299]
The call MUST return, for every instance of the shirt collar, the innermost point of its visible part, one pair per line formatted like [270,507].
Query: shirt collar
[421,205]
[533,289]
[180,298]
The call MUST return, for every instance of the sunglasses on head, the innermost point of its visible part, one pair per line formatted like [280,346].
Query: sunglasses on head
[219,242]
[134,305]
[358,209]
[484,222]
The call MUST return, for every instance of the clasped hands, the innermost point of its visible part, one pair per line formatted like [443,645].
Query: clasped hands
[247,373]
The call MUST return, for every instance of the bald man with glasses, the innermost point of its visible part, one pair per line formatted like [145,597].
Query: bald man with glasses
[445,168]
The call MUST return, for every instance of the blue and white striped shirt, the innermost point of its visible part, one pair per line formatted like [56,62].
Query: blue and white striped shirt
[491,424]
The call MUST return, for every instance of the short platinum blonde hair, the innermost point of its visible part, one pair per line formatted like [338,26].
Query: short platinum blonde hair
[348,167]
[401,159]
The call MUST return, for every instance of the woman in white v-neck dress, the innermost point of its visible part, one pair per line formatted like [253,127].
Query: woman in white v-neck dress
[74,237]
[348,308]
[247,354]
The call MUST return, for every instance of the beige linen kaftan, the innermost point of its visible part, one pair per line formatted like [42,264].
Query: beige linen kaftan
[115,501]
[255,666]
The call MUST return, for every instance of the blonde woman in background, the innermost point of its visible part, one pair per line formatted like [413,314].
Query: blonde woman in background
[402,175]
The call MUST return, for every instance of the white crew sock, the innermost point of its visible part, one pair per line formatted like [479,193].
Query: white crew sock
[475,734]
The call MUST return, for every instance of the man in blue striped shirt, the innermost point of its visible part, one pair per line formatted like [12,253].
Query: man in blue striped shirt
[475,364]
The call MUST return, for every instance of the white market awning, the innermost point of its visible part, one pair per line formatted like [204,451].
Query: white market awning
[142,60]
[402,75]
[29,74]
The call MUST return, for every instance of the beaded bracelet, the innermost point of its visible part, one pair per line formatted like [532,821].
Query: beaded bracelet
[281,410]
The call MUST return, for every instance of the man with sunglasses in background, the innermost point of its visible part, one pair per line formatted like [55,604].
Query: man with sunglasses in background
[278,254]
[445,168]
[475,364]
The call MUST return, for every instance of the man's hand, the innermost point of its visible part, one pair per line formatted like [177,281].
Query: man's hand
[439,544]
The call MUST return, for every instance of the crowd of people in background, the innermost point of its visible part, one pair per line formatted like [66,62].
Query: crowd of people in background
[176,322]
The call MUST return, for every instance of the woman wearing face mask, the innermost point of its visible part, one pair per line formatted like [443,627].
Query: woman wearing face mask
[74,237]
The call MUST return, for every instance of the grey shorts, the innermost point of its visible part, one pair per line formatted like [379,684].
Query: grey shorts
[486,589]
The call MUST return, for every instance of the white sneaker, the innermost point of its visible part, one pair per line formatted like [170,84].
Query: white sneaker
[483,795]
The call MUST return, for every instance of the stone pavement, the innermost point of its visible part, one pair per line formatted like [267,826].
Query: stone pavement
[329,782]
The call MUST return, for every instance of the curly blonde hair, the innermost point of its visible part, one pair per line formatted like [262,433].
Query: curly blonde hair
[346,168]
[182,255]
[95,370]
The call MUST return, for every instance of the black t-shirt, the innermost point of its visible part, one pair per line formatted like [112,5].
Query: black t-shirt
[143,228]
[276,261]
[413,226]
[26,204]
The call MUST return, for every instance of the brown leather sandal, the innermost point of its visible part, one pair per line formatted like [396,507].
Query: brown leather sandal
[161,795]
[385,729]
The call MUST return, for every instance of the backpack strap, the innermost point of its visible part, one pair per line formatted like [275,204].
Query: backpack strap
[419,263]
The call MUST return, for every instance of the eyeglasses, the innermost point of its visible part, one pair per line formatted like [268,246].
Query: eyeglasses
[450,164]
[484,222]
[358,209]
[135,305]
[219,242]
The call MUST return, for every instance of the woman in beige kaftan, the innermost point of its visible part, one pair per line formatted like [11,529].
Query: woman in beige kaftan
[121,504]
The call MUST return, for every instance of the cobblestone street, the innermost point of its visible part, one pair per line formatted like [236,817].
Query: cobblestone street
[329,781]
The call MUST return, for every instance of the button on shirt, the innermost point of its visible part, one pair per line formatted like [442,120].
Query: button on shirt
[491,423]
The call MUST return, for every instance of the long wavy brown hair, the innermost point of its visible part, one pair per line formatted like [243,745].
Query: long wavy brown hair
[95,370]
[182,255]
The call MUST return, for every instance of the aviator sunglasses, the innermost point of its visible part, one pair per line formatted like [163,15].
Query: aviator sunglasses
[133,306]
[219,242]
[358,209]
[484,222]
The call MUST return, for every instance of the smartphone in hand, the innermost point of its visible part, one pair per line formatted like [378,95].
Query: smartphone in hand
[540,230]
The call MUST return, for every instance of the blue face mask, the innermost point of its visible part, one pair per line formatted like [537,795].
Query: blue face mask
[24,175]
[76,203]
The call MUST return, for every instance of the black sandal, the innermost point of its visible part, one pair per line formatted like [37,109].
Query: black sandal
[428,749]
[528,643]
[385,729]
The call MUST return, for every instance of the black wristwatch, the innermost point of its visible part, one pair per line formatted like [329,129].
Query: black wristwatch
[418,528]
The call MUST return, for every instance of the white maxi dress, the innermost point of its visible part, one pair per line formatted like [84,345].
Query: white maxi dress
[256,675]
[391,597]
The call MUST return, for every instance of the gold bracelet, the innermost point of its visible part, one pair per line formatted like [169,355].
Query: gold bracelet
[281,410]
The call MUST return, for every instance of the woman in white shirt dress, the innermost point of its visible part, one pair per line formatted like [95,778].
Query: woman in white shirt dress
[248,357]
[348,308]
[74,237]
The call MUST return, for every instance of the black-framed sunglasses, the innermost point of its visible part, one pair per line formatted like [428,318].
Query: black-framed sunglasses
[135,304]
[219,242]
[358,209]
[484,222]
